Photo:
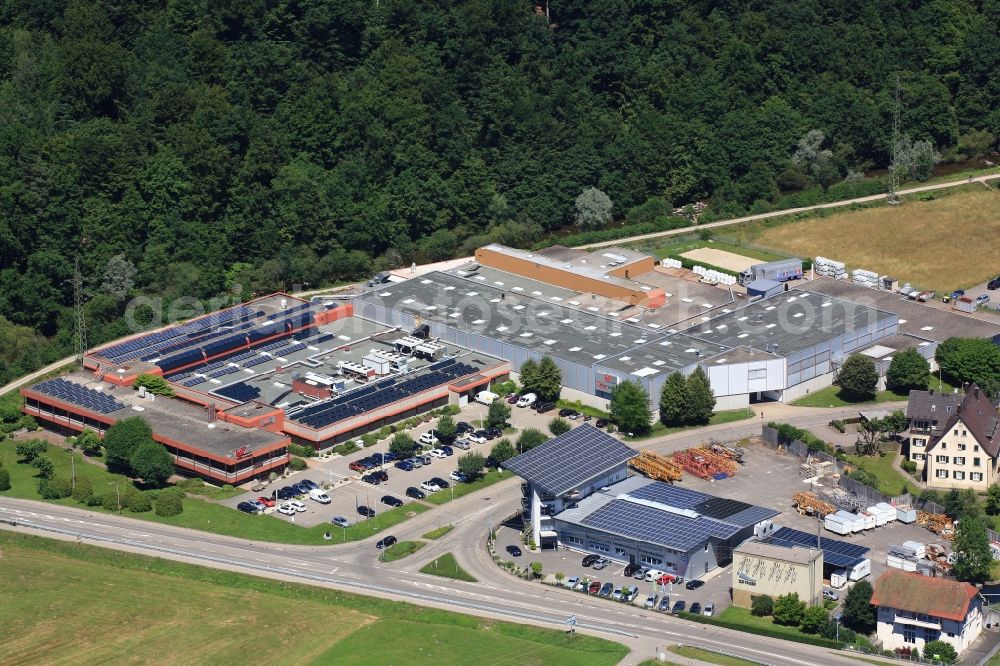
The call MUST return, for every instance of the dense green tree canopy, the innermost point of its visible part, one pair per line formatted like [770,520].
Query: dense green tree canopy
[190,148]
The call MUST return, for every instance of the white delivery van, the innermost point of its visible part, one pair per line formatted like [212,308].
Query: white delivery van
[486,397]
[320,496]
[653,575]
[527,400]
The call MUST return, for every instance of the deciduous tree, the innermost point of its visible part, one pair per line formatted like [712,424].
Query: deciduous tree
[593,208]
[700,400]
[151,462]
[972,551]
[471,465]
[908,371]
[497,415]
[558,426]
[859,614]
[503,451]
[122,439]
[630,407]
[858,376]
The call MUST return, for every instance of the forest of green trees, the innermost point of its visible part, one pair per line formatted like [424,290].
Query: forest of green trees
[213,143]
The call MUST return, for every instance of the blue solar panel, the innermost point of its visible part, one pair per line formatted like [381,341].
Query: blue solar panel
[646,523]
[82,396]
[571,459]
[664,493]
[240,392]
[835,553]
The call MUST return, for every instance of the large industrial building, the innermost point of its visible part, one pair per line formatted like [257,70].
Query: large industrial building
[577,493]
[250,379]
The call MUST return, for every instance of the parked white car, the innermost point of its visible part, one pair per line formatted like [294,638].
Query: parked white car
[486,397]
[286,509]
[319,495]
[475,437]
[297,505]
[430,487]
[527,400]
[437,453]
[428,438]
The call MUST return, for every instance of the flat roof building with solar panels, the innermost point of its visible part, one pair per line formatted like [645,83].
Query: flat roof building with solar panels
[577,493]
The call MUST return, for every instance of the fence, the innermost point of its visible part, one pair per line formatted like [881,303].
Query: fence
[867,494]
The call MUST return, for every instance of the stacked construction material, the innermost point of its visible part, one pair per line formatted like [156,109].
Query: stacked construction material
[830,268]
[656,466]
[807,503]
[863,278]
[711,274]
[671,263]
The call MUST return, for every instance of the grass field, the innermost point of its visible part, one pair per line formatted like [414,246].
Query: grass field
[726,416]
[709,656]
[834,396]
[675,250]
[944,244]
[890,481]
[400,549]
[445,495]
[580,407]
[83,604]
[438,532]
[198,513]
[446,567]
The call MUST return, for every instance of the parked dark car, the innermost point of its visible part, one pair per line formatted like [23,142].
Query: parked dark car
[382,475]
[391,501]
[405,465]
[481,434]
[589,559]
[694,584]
[514,551]
[493,433]
[366,511]
[513,398]
[448,451]
[664,604]
[439,482]
[993,284]
[565,412]
[302,488]
[385,542]
[247,507]
[372,479]
[696,608]
[415,493]
[312,485]
[463,427]
[358,466]
[631,569]
[594,587]
[679,606]
[542,407]
[287,493]
[490,462]
[606,590]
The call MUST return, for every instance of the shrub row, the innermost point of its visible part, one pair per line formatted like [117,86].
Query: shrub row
[790,432]
[763,631]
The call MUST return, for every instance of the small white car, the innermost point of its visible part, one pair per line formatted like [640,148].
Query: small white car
[527,400]
[286,509]
[428,438]
[477,438]
[437,453]
[831,595]
[297,505]
[571,582]
[318,495]
[430,487]
[709,609]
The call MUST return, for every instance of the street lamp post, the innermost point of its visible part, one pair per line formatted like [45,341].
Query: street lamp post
[118,494]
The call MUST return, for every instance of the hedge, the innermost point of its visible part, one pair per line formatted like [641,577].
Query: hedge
[761,631]
[790,432]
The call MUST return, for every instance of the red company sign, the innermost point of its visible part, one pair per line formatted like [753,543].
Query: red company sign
[243,452]
[605,383]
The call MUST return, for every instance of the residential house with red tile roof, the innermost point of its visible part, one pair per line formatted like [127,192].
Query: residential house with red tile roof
[915,609]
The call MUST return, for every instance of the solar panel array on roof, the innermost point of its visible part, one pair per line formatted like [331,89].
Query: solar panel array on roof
[646,523]
[835,553]
[380,394]
[82,396]
[731,511]
[569,460]
[240,392]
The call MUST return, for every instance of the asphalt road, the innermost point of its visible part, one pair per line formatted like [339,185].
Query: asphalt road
[355,567]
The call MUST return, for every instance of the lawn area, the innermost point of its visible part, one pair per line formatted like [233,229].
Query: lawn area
[445,495]
[709,656]
[726,416]
[890,481]
[675,250]
[400,549]
[198,514]
[744,617]
[91,605]
[582,408]
[446,567]
[833,396]
[942,260]
[438,532]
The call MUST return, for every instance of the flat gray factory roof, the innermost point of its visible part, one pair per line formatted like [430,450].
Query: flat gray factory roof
[596,265]
[664,356]
[794,321]
[515,283]
[920,319]
[182,421]
[476,306]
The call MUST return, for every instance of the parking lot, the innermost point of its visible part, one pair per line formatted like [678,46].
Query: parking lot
[768,478]
[347,491]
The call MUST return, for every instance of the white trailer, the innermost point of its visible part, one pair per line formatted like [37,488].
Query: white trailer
[889,511]
[838,578]
[861,570]
[837,524]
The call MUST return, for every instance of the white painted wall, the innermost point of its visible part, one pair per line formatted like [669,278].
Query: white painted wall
[808,386]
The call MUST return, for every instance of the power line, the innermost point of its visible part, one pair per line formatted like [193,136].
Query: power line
[79,317]
[893,194]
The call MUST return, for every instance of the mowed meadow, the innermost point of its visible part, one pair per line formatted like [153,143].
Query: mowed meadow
[944,244]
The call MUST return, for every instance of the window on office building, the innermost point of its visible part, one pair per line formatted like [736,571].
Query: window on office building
[941,474]
[909,635]
[959,476]
[959,460]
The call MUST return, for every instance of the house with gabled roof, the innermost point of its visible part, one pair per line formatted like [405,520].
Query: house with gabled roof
[914,610]
[957,437]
